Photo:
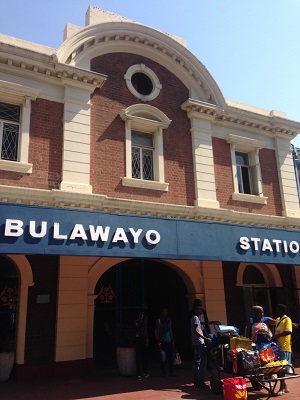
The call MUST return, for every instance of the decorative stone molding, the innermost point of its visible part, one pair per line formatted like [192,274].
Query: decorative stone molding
[82,201]
[56,72]
[266,124]
[125,36]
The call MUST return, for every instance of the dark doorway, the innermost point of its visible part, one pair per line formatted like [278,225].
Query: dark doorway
[8,304]
[122,289]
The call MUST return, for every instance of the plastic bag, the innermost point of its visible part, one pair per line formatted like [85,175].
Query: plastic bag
[177,359]
[267,355]
[235,388]
[277,350]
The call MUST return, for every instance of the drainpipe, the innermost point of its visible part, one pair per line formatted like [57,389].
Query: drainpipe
[296,162]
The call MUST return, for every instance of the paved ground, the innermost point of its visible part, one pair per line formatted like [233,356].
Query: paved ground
[111,386]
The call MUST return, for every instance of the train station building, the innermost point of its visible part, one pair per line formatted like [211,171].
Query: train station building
[126,176]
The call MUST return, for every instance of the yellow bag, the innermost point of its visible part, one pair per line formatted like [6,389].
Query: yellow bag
[240,343]
[277,365]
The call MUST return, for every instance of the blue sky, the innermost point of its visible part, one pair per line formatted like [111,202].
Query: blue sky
[251,48]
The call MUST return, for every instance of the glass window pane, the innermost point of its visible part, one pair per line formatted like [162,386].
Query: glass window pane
[9,112]
[142,139]
[241,158]
[148,164]
[240,180]
[246,180]
[136,162]
[10,137]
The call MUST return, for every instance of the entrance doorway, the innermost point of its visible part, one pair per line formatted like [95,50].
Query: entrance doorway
[120,292]
[8,305]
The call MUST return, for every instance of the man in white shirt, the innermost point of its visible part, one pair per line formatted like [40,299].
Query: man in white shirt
[199,340]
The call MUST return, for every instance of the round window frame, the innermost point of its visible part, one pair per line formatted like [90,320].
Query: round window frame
[141,68]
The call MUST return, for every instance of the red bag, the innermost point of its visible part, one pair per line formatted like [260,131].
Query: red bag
[235,389]
[267,355]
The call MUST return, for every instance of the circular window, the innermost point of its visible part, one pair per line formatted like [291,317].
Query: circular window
[142,82]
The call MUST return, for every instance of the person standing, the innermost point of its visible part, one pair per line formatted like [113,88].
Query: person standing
[283,335]
[141,342]
[203,317]
[258,326]
[199,340]
[165,341]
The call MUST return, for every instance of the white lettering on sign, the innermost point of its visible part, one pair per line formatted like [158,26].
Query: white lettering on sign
[269,245]
[15,228]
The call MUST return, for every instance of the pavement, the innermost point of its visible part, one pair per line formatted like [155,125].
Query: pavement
[111,386]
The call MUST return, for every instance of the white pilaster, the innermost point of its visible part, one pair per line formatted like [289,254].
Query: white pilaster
[76,143]
[287,179]
[205,186]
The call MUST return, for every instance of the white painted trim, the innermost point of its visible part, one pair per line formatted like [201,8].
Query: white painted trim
[145,118]
[22,96]
[250,147]
[19,91]
[150,74]
[74,187]
[142,184]
[244,144]
[250,198]
[15,166]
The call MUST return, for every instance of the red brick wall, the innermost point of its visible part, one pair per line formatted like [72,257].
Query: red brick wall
[108,133]
[45,148]
[224,181]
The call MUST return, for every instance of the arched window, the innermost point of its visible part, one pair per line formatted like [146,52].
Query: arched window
[144,126]
[253,275]
[255,288]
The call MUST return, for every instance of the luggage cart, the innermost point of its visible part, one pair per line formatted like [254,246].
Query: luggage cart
[262,377]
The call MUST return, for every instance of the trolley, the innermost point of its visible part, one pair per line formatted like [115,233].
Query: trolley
[262,377]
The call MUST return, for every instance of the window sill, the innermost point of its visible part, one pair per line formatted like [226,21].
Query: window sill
[250,198]
[139,183]
[15,166]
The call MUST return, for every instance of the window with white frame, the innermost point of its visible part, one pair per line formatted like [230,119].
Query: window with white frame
[144,164]
[15,111]
[9,131]
[246,171]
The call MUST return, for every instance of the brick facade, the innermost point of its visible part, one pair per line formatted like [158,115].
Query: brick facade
[108,133]
[45,148]
[224,182]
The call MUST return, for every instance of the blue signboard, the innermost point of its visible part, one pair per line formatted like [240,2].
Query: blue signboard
[47,230]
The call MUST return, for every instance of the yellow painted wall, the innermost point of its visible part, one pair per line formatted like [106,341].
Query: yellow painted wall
[71,330]
[214,291]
